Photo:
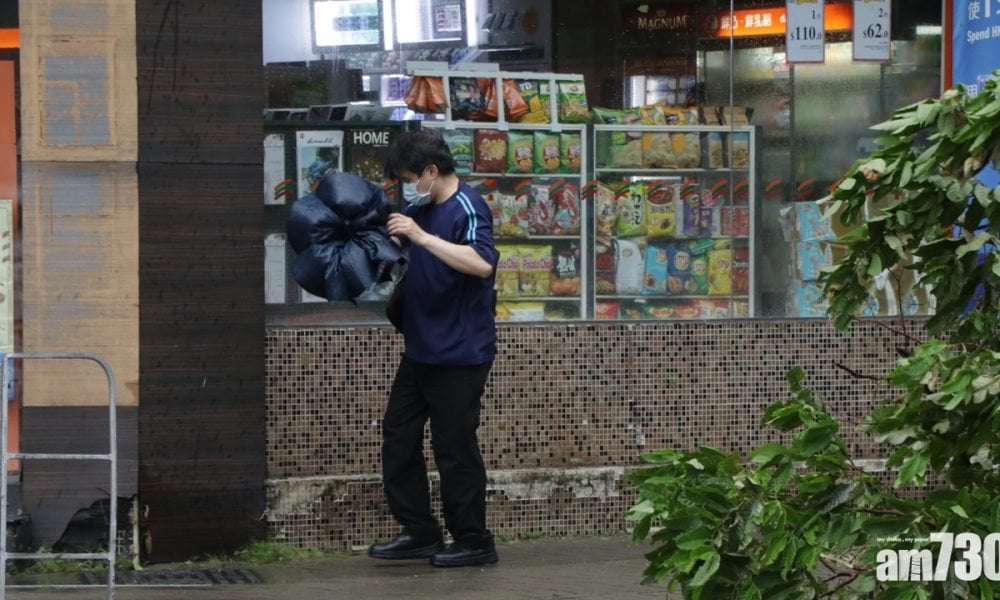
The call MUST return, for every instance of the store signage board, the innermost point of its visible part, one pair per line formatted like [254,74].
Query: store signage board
[657,17]
[976,42]
[805,38]
[756,22]
[872,30]
[976,53]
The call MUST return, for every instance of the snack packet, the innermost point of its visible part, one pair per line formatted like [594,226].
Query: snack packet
[720,272]
[538,105]
[661,208]
[540,210]
[533,270]
[573,106]
[605,255]
[570,152]
[460,143]
[520,152]
[564,280]
[629,268]
[632,206]
[507,285]
[565,198]
[606,206]
[654,280]
[490,151]
[547,152]
[657,151]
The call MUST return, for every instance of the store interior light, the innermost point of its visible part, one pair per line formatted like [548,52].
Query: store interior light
[388,31]
[928,30]
[471,23]
[413,26]
[408,29]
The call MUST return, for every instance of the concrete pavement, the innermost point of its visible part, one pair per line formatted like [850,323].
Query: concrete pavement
[579,568]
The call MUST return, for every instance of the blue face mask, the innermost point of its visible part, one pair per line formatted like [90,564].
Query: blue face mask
[415,197]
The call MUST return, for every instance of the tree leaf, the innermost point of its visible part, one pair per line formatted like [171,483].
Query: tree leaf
[906,174]
[875,266]
[766,453]
[876,164]
[694,539]
[816,438]
[973,246]
[894,242]
[706,570]
[913,469]
[839,496]
[642,509]
[774,549]
[982,194]
[847,184]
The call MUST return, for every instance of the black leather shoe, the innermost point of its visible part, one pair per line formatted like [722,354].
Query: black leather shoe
[461,554]
[405,546]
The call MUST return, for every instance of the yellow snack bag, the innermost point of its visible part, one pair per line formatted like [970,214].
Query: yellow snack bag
[507,285]
[533,270]
[720,272]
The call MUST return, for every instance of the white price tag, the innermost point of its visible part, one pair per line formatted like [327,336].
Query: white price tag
[804,34]
[872,37]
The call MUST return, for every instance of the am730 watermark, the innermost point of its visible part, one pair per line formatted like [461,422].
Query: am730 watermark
[968,555]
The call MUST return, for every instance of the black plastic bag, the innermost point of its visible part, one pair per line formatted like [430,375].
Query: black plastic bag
[394,307]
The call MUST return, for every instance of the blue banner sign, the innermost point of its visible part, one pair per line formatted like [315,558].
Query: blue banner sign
[976,51]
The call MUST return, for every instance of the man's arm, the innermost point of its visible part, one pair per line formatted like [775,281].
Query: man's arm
[460,257]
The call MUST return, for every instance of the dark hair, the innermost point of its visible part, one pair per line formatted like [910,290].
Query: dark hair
[415,150]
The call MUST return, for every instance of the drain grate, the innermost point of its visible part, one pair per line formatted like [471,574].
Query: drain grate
[176,577]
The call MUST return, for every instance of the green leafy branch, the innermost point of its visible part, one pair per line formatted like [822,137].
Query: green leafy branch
[914,205]
[800,519]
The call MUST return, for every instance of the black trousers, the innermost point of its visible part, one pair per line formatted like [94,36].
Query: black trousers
[451,398]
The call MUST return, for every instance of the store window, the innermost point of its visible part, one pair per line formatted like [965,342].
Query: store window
[653,160]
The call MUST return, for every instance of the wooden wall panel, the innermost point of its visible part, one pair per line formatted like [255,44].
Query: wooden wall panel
[201,421]
[78,198]
[78,80]
[54,490]
[201,84]
[80,280]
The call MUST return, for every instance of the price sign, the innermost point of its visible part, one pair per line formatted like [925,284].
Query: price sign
[804,36]
[872,36]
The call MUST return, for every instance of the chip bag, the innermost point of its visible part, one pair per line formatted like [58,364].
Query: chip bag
[520,152]
[547,152]
[573,106]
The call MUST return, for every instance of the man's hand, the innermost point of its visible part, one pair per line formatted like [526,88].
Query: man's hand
[402,225]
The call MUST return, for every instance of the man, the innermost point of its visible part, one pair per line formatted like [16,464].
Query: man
[450,342]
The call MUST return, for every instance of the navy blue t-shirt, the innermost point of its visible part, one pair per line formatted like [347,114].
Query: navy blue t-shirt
[448,315]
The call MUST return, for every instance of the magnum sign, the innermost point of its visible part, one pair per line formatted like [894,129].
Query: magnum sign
[657,17]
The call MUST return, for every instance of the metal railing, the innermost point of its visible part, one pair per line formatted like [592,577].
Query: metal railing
[6,456]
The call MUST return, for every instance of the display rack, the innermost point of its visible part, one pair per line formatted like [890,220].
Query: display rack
[492,70]
[521,192]
[674,236]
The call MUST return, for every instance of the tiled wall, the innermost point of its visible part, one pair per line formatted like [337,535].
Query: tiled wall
[567,412]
